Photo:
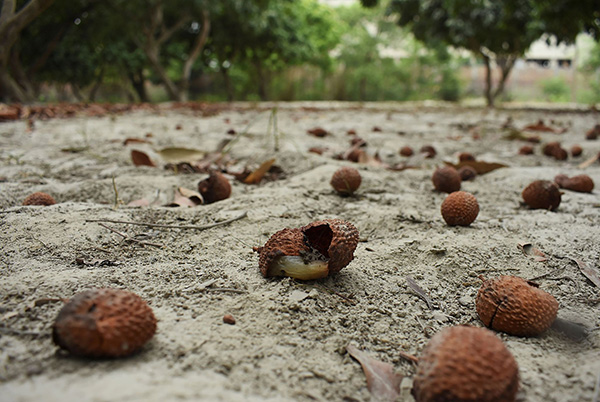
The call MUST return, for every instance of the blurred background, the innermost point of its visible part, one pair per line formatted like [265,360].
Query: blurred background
[256,50]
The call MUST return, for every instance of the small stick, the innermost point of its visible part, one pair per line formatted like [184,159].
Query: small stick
[43,244]
[420,292]
[409,357]
[128,238]
[232,290]
[155,225]
[344,298]
[117,199]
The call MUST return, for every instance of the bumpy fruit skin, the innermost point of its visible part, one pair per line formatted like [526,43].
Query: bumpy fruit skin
[446,179]
[466,364]
[104,323]
[513,305]
[39,198]
[581,183]
[346,180]
[542,194]
[331,240]
[460,208]
[215,188]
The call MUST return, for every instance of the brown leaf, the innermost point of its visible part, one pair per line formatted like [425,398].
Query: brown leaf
[528,249]
[541,126]
[140,158]
[180,200]
[178,154]
[480,166]
[589,272]
[382,382]
[256,176]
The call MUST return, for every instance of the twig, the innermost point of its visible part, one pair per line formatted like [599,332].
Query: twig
[232,290]
[155,225]
[409,357]
[43,244]
[344,298]
[128,238]
[117,199]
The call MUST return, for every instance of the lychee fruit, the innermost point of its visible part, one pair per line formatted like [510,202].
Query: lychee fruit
[542,194]
[104,323]
[576,151]
[526,150]
[466,364]
[214,188]
[39,198]
[513,305]
[460,208]
[346,180]
[406,151]
[429,151]
[581,183]
[446,179]
[467,173]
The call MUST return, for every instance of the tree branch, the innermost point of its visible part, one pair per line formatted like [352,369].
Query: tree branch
[17,22]
[199,43]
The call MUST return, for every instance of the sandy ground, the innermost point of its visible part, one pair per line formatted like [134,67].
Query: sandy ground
[290,338]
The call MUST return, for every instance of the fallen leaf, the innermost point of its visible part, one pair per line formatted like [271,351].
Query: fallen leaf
[136,141]
[528,249]
[195,196]
[480,166]
[256,176]
[382,382]
[589,272]
[541,126]
[180,200]
[140,158]
[139,203]
[177,154]
[318,132]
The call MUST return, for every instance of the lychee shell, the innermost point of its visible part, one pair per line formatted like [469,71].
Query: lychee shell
[581,183]
[104,323]
[446,179]
[287,241]
[460,208]
[336,239]
[215,188]
[466,364]
[511,304]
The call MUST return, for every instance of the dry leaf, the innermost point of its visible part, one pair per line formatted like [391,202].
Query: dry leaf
[256,176]
[140,158]
[180,200]
[177,154]
[139,203]
[528,249]
[589,272]
[382,382]
[192,195]
[480,166]
[541,126]
[589,162]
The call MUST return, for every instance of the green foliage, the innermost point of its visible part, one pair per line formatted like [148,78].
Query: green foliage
[555,89]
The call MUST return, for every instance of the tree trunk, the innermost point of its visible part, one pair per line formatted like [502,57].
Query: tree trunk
[488,80]
[193,56]
[262,81]
[228,86]
[11,25]
[506,64]
[138,82]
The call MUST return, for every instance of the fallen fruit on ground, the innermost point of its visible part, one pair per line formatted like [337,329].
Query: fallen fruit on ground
[513,305]
[214,188]
[39,198]
[346,180]
[104,323]
[466,364]
[581,183]
[460,208]
[446,179]
[542,194]
[313,251]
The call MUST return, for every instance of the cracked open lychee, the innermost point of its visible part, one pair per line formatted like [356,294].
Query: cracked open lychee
[581,183]
[104,323]
[429,151]
[542,194]
[516,306]
[214,188]
[446,179]
[313,251]
[39,198]
[346,180]
[466,364]
[460,208]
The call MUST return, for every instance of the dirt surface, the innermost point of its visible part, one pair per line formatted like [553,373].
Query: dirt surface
[289,340]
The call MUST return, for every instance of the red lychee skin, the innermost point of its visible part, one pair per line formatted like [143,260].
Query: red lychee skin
[466,364]
[550,148]
[346,180]
[406,151]
[446,179]
[215,188]
[576,151]
[465,156]
[542,194]
[286,242]
[460,208]
[513,305]
[429,151]
[104,323]
[581,183]
[39,198]
[526,150]
[467,173]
